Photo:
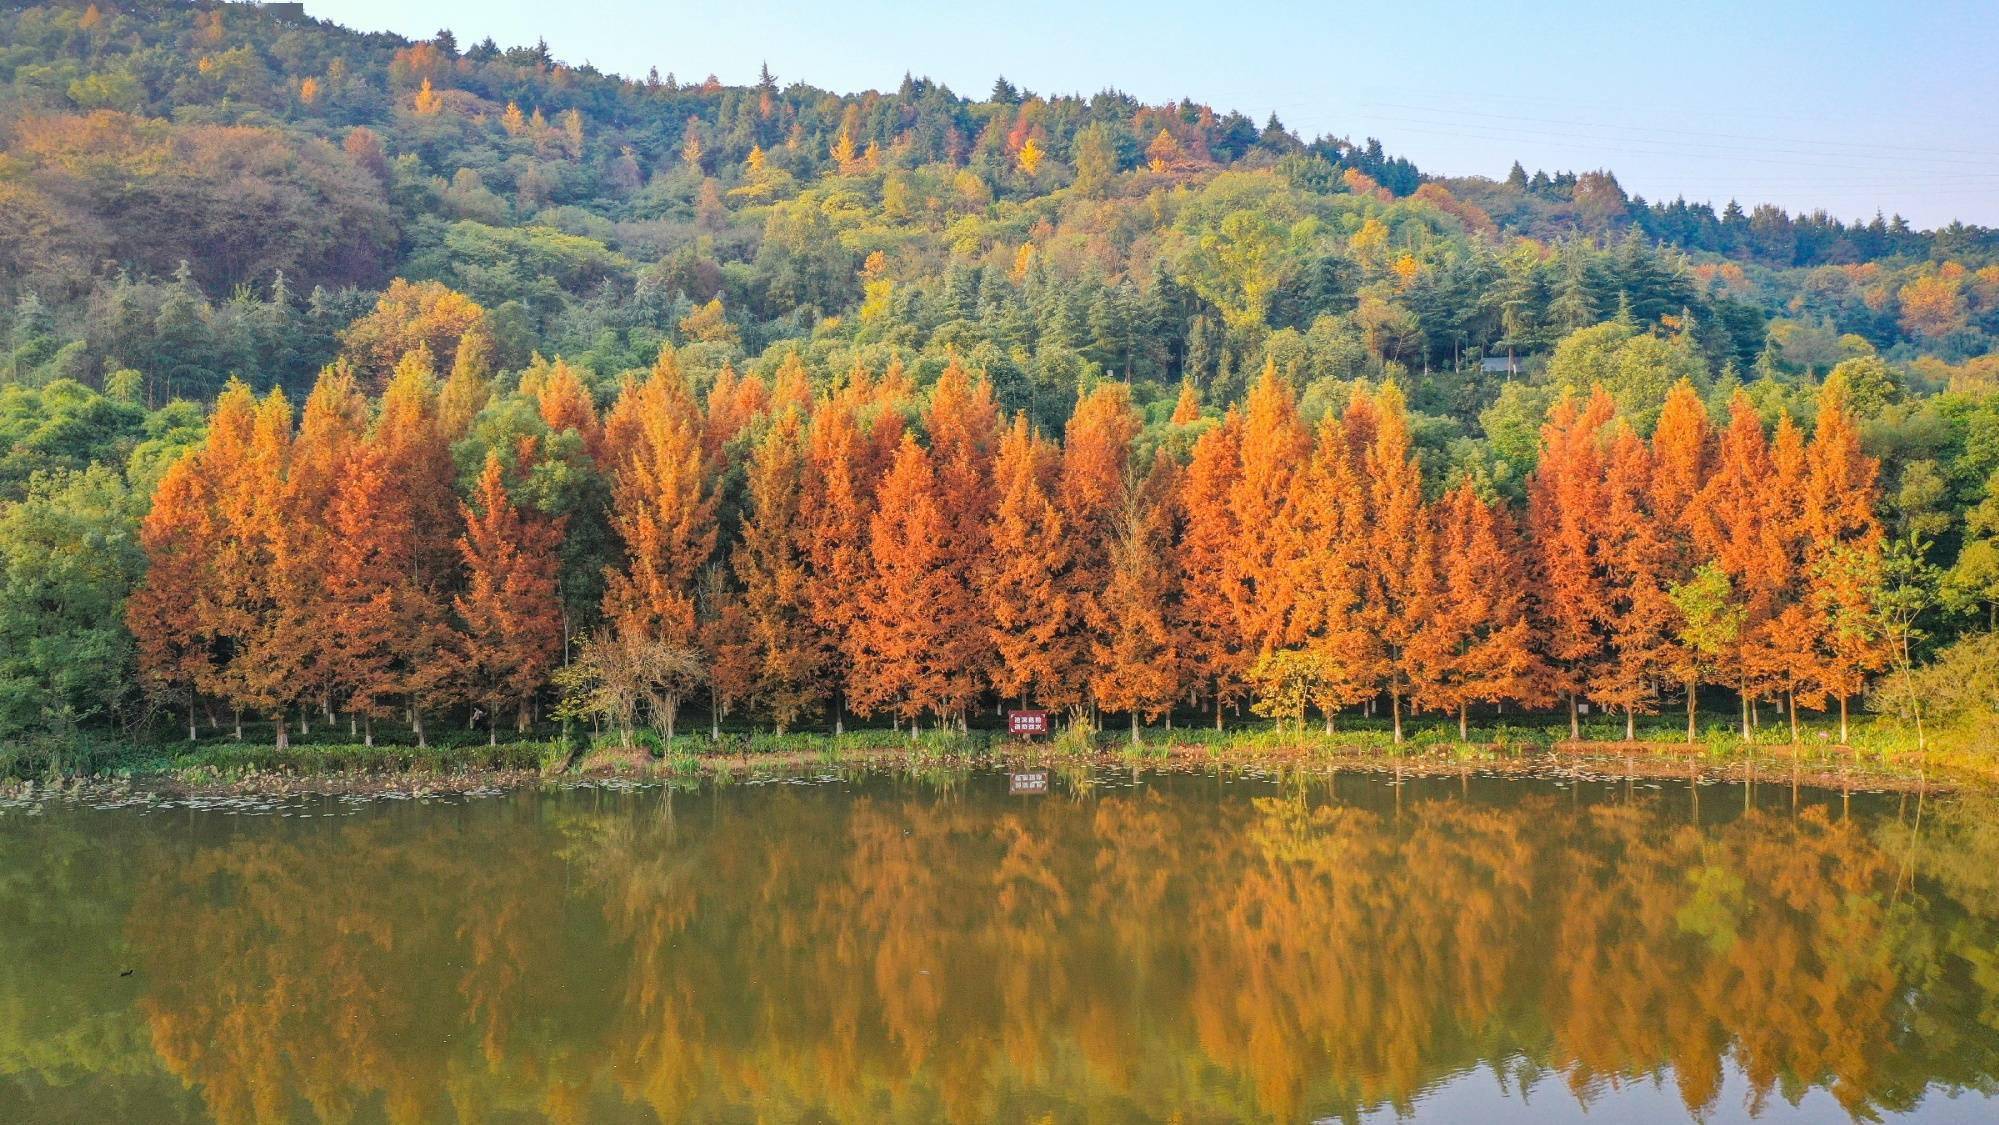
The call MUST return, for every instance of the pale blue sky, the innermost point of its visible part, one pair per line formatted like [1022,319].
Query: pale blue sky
[1849,106]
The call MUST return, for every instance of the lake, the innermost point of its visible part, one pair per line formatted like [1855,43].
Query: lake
[1119,947]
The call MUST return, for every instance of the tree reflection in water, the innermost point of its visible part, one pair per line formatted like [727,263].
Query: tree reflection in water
[909,952]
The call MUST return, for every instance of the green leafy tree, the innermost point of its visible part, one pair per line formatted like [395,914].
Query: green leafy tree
[1710,624]
[69,554]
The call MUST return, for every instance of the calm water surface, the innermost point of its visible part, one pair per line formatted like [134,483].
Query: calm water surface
[881,948]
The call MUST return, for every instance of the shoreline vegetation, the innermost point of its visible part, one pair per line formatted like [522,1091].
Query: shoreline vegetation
[1880,757]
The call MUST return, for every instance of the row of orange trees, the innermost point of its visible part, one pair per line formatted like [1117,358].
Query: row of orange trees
[864,550]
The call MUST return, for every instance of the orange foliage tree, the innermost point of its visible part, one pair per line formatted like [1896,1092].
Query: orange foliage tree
[1476,644]
[913,609]
[1565,506]
[1031,625]
[510,609]
[772,564]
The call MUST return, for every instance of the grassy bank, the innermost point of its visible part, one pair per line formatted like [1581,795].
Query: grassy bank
[1879,750]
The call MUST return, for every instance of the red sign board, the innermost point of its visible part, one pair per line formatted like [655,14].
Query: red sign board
[1027,722]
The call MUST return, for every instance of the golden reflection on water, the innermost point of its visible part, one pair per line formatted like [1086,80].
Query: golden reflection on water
[901,951]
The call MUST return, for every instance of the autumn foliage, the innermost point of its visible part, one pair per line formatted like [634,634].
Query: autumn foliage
[865,549]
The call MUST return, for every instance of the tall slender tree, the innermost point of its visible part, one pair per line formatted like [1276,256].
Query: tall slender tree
[1639,561]
[511,631]
[169,612]
[912,606]
[663,509]
[1133,662]
[772,564]
[1476,643]
[1025,584]
[1204,627]
[1565,506]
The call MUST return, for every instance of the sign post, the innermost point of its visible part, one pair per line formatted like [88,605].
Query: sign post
[1027,724]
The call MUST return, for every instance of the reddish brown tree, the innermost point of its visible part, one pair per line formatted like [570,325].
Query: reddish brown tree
[1566,505]
[1134,667]
[1476,644]
[772,565]
[168,610]
[1031,623]
[1204,628]
[510,608]
[913,609]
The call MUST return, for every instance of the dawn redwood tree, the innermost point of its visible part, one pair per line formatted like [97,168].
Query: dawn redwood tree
[734,405]
[1784,652]
[962,423]
[1565,511]
[1731,529]
[1132,660]
[1330,551]
[1682,457]
[1398,591]
[1475,646]
[564,403]
[334,424]
[262,675]
[466,391]
[1841,554]
[1639,560]
[366,518]
[914,610]
[419,527]
[772,565]
[734,663]
[1260,567]
[841,484]
[238,553]
[1204,626]
[1095,485]
[662,508]
[1025,584]
[510,608]
[167,610]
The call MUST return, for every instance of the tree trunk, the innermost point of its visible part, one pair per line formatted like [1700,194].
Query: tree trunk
[1693,692]
[416,724]
[191,735]
[493,722]
[1791,699]
[1742,689]
[1395,709]
[284,731]
[1842,720]
[1575,721]
[1630,724]
[1218,710]
[239,724]
[1134,727]
[1464,722]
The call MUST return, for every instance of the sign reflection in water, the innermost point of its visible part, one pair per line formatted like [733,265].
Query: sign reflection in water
[890,949]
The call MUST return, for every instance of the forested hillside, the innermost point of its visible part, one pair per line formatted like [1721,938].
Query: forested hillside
[595,326]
